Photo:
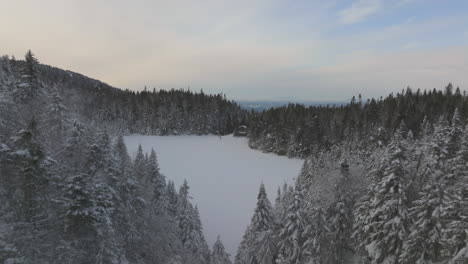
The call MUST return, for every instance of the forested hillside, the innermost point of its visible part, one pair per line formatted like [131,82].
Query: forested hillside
[402,200]
[151,112]
[383,181]
[70,191]
[298,131]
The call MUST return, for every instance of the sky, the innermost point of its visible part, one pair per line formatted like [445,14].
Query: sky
[248,49]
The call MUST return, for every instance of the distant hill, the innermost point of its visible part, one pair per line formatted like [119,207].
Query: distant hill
[261,105]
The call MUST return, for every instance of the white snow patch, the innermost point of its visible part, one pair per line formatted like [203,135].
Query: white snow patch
[224,176]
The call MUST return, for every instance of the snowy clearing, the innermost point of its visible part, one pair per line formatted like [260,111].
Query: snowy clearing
[224,176]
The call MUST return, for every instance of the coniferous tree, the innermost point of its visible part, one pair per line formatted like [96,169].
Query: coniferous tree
[291,238]
[342,218]
[157,185]
[218,254]
[387,212]
[27,165]
[56,120]
[456,213]
[259,240]
[140,164]
[424,243]
[27,88]
[316,231]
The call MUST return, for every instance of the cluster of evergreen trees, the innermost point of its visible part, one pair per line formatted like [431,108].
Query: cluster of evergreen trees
[171,112]
[298,131]
[70,192]
[405,201]
[383,181]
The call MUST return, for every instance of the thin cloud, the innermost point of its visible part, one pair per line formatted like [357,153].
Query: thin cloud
[247,49]
[359,10]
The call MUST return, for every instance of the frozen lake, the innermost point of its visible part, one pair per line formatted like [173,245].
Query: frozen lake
[224,176]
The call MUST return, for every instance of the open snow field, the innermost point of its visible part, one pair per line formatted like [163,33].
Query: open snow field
[224,176]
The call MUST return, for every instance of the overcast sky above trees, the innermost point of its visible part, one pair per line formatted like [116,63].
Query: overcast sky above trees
[265,49]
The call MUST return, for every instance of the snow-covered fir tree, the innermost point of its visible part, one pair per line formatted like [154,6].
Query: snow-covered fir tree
[218,254]
[342,214]
[259,239]
[316,231]
[27,87]
[387,210]
[291,239]
[190,229]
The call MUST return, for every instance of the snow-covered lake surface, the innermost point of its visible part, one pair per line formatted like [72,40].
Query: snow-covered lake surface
[224,176]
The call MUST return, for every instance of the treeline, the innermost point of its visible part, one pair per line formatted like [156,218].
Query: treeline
[298,131]
[403,201]
[171,112]
[70,192]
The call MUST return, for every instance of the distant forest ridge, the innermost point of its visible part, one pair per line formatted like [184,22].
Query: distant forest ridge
[260,105]
[292,129]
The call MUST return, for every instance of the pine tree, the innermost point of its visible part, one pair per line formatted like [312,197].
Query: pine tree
[218,254]
[129,210]
[190,228]
[455,133]
[424,243]
[56,121]
[30,66]
[27,163]
[316,231]
[241,254]
[74,146]
[157,185]
[203,252]
[342,215]
[79,203]
[140,165]
[27,89]
[262,219]
[456,206]
[386,212]
[259,241]
[172,198]
[103,169]
[291,238]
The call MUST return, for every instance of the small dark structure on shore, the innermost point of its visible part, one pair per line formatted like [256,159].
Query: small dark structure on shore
[241,131]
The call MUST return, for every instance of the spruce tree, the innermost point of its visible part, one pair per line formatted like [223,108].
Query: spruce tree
[342,214]
[157,185]
[30,66]
[56,121]
[27,88]
[262,219]
[190,228]
[386,213]
[316,231]
[218,254]
[456,206]
[424,243]
[31,222]
[140,164]
[291,239]
[259,241]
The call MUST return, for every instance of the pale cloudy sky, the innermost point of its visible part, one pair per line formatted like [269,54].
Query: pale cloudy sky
[248,49]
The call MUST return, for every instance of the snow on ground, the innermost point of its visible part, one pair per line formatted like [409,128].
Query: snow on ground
[224,176]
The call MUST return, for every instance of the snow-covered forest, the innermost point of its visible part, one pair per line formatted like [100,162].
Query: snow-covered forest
[70,191]
[218,169]
[383,181]
[404,200]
